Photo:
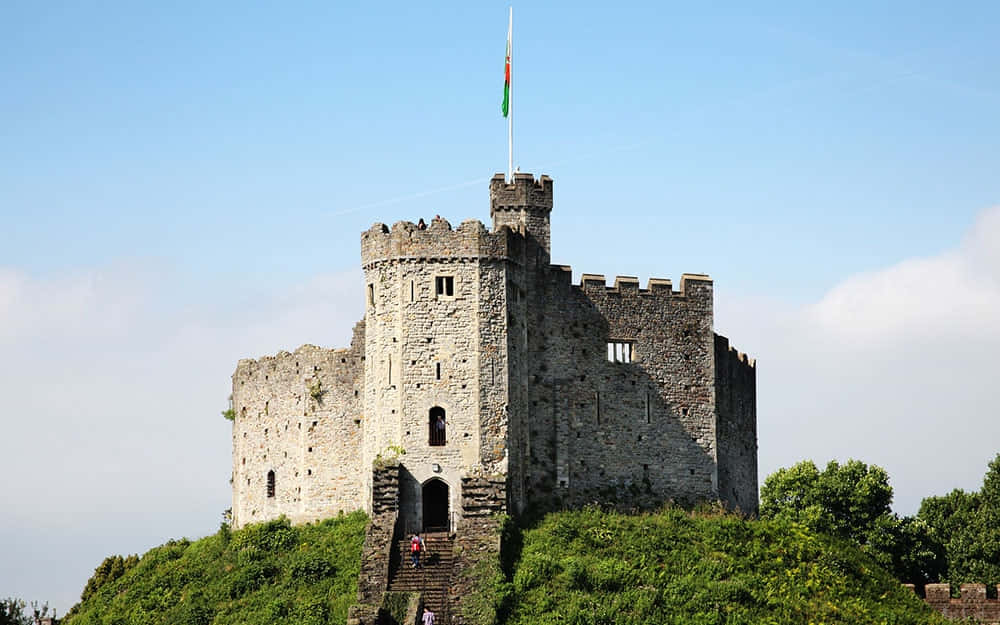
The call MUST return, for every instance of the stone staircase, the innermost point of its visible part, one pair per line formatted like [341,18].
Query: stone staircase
[432,578]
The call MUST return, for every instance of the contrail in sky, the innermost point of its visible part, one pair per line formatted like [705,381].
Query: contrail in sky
[903,72]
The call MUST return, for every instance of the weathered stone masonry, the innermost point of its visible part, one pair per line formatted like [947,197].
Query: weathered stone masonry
[478,325]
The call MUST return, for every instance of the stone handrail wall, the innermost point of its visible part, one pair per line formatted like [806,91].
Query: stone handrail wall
[484,499]
[373,579]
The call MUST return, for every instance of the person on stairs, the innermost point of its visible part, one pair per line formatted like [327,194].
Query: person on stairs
[428,618]
[416,546]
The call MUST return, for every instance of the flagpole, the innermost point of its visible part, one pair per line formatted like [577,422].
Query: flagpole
[510,116]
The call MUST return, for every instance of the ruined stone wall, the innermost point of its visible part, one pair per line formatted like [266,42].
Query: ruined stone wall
[426,349]
[736,403]
[298,415]
[635,433]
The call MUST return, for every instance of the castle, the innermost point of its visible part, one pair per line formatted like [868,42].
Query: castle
[495,383]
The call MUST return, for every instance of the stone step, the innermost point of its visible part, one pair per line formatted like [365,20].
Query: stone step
[432,578]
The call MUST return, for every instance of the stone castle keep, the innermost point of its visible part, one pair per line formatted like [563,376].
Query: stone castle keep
[494,383]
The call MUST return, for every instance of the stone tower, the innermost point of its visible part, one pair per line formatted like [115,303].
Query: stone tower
[523,206]
[435,348]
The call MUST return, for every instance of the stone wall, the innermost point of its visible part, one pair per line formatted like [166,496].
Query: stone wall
[634,433]
[971,604]
[298,416]
[736,402]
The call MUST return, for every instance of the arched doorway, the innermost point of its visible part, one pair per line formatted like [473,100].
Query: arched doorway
[435,499]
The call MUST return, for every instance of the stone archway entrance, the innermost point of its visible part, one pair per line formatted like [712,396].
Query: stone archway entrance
[434,494]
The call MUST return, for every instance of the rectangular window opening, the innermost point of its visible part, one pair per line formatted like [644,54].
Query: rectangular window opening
[437,370]
[371,295]
[411,290]
[620,351]
[444,285]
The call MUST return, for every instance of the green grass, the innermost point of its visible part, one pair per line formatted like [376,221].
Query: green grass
[580,567]
[689,568]
[270,573]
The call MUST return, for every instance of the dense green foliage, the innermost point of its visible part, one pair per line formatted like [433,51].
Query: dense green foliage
[591,566]
[108,571]
[844,501]
[269,573]
[968,525]
[851,501]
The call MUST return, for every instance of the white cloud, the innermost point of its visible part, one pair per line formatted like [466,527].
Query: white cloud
[894,367]
[113,381]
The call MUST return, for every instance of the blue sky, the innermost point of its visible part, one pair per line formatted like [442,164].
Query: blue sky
[182,186]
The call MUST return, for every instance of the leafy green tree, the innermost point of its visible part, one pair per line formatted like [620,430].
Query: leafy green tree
[851,501]
[906,547]
[106,572]
[968,525]
[844,501]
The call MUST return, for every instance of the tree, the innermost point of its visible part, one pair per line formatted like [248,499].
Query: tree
[12,612]
[968,525]
[844,501]
[851,502]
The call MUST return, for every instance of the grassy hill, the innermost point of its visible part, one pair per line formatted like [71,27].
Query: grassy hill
[694,569]
[269,573]
[580,567]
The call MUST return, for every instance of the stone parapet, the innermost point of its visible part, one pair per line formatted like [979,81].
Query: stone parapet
[972,602]
[523,205]
[524,192]
[438,241]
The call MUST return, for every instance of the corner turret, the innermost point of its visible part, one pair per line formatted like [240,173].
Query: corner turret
[523,205]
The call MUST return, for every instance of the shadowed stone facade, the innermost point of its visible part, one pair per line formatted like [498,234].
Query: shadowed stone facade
[552,393]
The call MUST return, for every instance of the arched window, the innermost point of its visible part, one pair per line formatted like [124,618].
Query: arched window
[436,426]
[270,483]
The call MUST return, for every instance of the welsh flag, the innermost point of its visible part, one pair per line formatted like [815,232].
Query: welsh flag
[505,107]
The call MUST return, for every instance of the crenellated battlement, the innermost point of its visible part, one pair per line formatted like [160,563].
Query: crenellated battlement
[523,205]
[524,193]
[438,240]
[595,282]
[971,602]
